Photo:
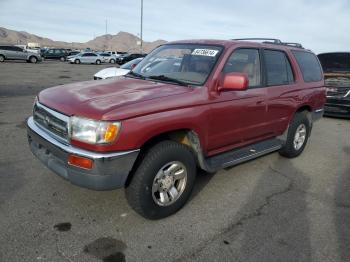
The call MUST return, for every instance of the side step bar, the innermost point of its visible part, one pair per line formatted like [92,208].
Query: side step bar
[241,155]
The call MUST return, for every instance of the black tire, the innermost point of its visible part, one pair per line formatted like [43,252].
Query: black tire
[2,58]
[98,62]
[77,61]
[139,192]
[62,59]
[33,59]
[112,61]
[289,150]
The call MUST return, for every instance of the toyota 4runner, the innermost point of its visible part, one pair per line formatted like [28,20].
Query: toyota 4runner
[207,104]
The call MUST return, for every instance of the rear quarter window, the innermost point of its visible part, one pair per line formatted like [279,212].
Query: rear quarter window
[278,69]
[309,66]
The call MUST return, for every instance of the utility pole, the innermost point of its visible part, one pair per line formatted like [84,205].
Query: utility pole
[106,26]
[141,24]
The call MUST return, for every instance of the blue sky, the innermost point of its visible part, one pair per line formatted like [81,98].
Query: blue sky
[318,24]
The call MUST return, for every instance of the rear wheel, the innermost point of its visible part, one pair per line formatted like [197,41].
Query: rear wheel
[2,58]
[77,61]
[112,61]
[98,62]
[163,181]
[33,59]
[298,134]
[62,59]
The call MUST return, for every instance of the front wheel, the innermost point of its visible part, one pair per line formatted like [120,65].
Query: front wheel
[163,181]
[33,59]
[62,59]
[112,61]
[77,61]
[298,134]
[98,62]
[2,58]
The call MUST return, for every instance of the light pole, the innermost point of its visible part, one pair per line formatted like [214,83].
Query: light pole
[141,24]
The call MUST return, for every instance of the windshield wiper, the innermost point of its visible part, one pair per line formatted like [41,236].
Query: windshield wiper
[167,79]
[135,75]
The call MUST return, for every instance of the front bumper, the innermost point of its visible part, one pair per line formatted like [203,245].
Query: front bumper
[109,171]
[339,107]
[317,114]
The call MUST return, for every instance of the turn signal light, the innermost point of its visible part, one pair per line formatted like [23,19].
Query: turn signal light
[111,133]
[79,161]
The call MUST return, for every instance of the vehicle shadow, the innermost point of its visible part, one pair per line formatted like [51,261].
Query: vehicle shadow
[202,179]
[278,227]
[342,212]
[337,117]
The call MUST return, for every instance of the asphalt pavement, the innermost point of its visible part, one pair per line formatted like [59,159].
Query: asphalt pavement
[268,209]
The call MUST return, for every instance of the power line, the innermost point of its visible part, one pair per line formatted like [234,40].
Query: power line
[141,24]
[106,26]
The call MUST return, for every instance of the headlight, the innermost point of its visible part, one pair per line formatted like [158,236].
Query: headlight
[92,131]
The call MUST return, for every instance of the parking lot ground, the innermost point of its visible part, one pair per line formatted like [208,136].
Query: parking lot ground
[268,209]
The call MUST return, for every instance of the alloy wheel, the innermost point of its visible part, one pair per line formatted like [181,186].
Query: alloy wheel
[169,183]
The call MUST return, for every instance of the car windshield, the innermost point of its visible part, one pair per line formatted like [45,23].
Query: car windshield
[180,63]
[129,64]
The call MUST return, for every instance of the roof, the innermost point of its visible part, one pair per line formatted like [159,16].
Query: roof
[247,42]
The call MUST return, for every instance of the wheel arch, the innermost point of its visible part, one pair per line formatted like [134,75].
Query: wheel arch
[308,110]
[302,108]
[185,136]
[30,57]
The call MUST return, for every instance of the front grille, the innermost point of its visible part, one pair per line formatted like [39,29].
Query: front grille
[51,121]
[338,91]
[338,87]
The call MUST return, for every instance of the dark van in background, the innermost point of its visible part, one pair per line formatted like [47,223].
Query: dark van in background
[336,67]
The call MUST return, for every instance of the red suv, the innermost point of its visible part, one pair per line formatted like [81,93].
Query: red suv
[207,104]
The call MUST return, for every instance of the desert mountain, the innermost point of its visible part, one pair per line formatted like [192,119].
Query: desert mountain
[122,41]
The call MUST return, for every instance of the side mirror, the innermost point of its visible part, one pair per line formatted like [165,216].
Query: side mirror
[233,82]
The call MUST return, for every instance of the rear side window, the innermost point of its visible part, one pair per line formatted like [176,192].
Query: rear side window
[89,54]
[309,66]
[18,49]
[12,48]
[278,68]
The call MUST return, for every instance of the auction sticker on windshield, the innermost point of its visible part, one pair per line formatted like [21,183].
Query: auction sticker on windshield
[205,52]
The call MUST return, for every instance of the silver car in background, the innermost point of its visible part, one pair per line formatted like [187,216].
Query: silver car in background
[86,58]
[108,58]
[10,52]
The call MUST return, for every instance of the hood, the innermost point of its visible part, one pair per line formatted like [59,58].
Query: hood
[111,72]
[338,62]
[71,56]
[94,99]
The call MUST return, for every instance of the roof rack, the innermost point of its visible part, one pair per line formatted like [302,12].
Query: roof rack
[293,44]
[273,41]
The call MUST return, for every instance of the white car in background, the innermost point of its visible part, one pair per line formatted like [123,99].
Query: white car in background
[108,58]
[115,71]
[86,58]
[71,56]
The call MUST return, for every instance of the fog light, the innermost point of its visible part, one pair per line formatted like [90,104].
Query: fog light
[79,161]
